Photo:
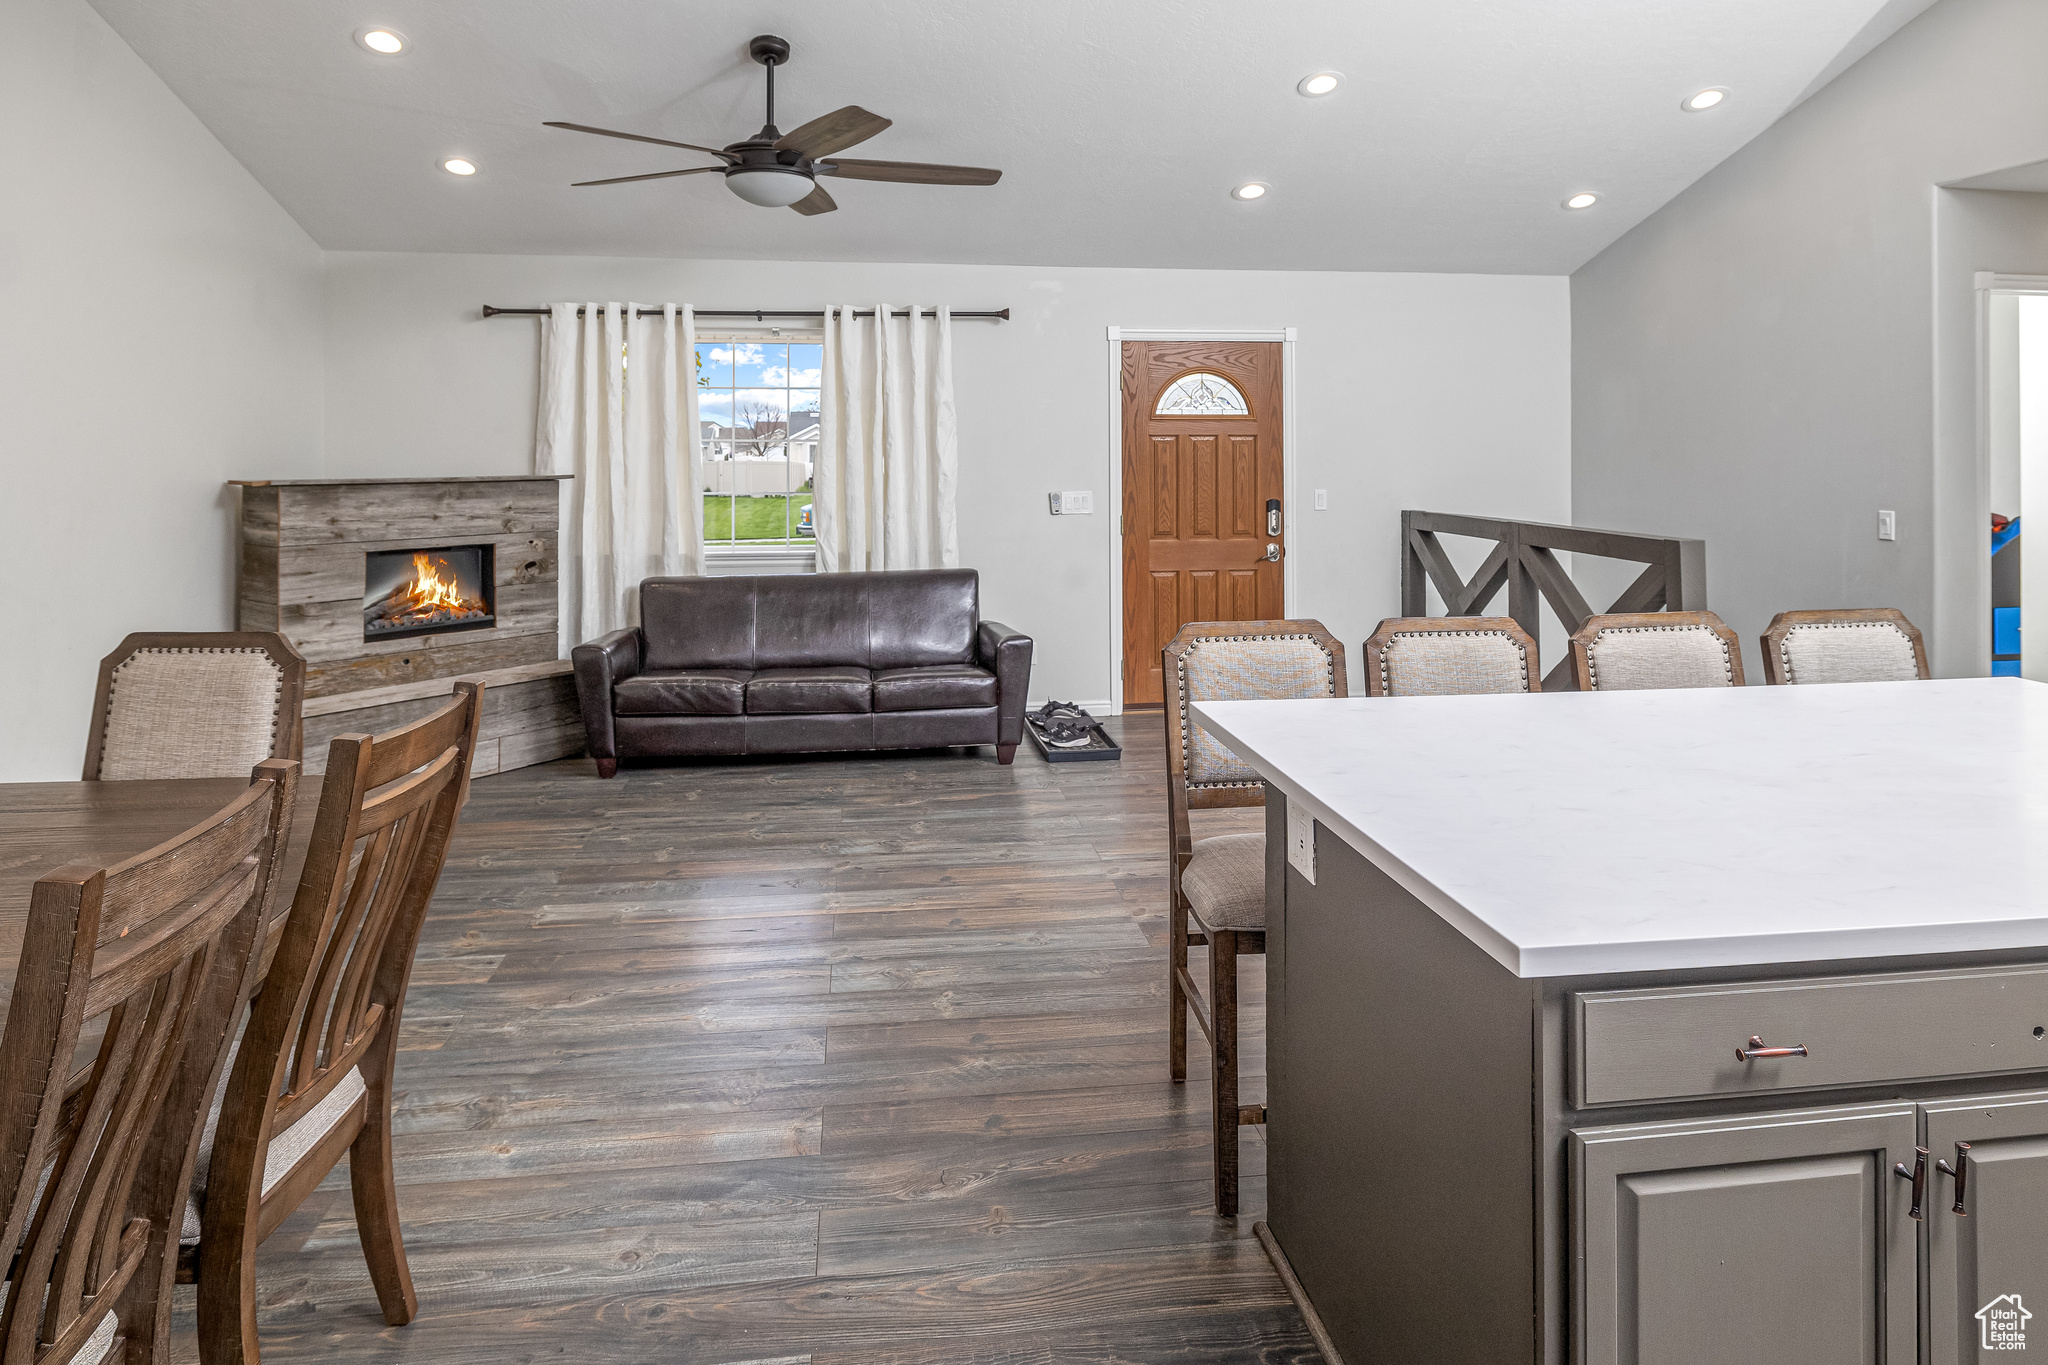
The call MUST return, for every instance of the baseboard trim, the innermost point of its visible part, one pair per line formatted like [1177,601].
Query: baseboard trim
[1316,1330]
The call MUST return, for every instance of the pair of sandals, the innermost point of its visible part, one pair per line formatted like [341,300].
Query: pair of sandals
[1063,725]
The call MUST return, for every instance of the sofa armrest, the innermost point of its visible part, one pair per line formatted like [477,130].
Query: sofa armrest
[602,664]
[1007,653]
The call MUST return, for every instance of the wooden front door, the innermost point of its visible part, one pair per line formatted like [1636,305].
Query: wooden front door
[1202,471]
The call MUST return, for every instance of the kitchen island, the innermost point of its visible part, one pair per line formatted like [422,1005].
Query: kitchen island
[1662,1027]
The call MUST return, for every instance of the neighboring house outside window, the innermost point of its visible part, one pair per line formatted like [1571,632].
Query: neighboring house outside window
[758,403]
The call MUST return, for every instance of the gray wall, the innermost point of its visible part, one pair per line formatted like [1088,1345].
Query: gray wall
[1756,364]
[1448,392]
[163,335]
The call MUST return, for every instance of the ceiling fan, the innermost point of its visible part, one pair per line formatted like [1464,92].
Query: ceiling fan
[780,170]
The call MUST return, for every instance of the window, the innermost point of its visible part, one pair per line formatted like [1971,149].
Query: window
[757,403]
[1201,395]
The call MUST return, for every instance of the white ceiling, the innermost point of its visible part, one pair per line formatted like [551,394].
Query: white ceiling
[1120,127]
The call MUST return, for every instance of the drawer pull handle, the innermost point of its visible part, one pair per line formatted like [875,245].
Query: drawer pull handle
[1757,1049]
[1918,1175]
[1960,1173]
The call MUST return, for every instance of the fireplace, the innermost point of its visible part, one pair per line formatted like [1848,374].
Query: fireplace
[428,591]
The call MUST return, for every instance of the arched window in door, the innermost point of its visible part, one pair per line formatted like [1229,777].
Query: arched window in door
[1201,394]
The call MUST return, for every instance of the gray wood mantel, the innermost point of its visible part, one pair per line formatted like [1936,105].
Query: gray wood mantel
[303,548]
[338,483]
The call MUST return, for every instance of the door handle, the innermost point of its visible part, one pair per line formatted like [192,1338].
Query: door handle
[1918,1175]
[1960,1173]
[1272,555]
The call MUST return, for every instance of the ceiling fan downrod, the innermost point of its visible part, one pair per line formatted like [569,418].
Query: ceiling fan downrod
[770,51]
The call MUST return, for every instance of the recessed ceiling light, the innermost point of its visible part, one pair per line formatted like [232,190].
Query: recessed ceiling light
[1582,201]
[456,165]
[1703,101]
[1251,189]
[385,42]
[1322,83]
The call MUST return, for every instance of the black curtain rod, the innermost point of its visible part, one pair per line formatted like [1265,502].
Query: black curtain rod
[757,314]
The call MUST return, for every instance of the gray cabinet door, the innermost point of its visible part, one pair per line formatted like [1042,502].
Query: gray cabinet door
[1751,1240]
[1988,1269]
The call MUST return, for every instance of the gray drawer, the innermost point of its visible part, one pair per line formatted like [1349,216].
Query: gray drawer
[1680,1042]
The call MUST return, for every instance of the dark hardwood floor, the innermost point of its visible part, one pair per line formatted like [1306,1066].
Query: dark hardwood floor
[838,1061]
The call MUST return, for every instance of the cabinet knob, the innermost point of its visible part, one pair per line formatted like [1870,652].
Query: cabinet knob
[1918,1175]
[1757,1049]
[1960,1173]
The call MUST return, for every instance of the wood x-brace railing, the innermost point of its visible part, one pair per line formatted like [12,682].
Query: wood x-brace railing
[1524,561]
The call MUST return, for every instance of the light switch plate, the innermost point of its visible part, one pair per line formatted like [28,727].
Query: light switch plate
[1887,525]
[1301,840]
[1322,499]
[1078,503]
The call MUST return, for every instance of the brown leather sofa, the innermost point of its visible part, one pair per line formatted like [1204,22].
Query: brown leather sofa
[801,663]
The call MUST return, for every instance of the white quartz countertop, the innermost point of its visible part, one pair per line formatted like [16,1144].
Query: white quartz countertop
[1585,833]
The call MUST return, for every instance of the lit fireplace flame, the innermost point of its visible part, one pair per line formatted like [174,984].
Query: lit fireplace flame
[429,592]
[433,597]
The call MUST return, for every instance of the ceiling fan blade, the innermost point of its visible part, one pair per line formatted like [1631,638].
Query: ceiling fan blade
[719,152]
[658,175]
[816,202]
[909,172]
[839,129]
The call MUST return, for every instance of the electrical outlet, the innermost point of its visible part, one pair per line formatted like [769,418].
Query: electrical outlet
[1301,840]
[1322,499]
[1887,525]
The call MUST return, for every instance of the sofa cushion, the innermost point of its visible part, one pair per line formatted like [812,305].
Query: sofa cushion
[683,692]
[922,617]
[810,691]
[811,620]
[690,623]
[935,687]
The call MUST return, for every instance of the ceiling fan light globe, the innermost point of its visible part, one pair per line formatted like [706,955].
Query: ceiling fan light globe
[769,187]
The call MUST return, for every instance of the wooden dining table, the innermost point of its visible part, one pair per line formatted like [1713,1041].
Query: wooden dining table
[46,825]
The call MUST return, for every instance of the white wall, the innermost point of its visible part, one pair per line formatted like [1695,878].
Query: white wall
[1755,364]
[1445,392]
[163,335]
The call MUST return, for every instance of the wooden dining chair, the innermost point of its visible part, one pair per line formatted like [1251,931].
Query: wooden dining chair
[1438,656]
[1218,884]
[195,705]
[312,1076]
[1639,651]
[156,955]
[1873,644]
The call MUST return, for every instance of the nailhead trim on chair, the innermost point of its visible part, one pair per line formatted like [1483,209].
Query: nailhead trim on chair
[1593,672]
[1187,734]
[1386,679]
[1785,641]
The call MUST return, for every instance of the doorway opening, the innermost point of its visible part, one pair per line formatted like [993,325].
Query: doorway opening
[2016,441]
[1203,525]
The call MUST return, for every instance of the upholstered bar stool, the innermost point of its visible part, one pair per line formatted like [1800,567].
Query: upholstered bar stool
[1638,651]
[195,705]
[1866,645]
[1441,656]
[1217,894]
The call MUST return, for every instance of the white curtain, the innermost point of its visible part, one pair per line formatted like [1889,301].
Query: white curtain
[618,409]
[888,453]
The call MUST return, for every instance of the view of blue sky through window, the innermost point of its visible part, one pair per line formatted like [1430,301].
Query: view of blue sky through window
[758,406]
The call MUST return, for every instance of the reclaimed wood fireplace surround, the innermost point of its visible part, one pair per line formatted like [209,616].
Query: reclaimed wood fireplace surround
[305,544]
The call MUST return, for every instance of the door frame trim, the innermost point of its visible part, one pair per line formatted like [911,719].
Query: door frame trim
[1987,283]
[1114,503]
